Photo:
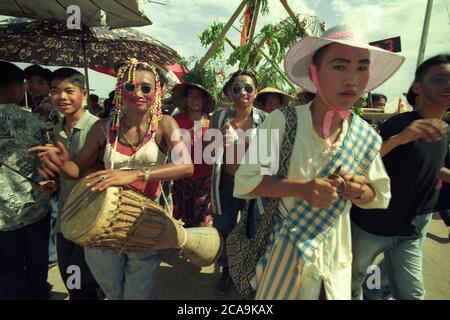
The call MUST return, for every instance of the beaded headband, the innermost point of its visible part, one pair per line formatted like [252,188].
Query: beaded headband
[127,73]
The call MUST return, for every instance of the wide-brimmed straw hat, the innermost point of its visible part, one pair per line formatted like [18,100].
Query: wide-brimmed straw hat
[179,93]
[285,98]
[383,64]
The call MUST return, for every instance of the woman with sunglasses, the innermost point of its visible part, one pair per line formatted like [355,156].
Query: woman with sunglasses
[133,145]
[241,89]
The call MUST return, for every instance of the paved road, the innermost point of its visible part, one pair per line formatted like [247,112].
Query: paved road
[179,279]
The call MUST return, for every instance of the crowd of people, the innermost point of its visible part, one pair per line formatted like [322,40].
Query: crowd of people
[348,192]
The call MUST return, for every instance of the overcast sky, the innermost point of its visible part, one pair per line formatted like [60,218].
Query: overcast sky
[179,22]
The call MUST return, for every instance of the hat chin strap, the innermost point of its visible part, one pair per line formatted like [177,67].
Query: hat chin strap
[332,110]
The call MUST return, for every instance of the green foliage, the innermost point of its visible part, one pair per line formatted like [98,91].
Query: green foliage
[265,7]
[211,76]
[358,109]
[211,34]
[274,40]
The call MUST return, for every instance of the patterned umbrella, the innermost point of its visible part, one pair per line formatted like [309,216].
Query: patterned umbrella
[51,43]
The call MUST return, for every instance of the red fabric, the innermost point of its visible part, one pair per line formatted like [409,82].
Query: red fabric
[150,188]
[178,70]
[108,71]
[246,26]
[203,169]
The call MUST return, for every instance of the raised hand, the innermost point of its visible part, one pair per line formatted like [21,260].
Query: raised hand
[52,157]
[426,129]
[205,122]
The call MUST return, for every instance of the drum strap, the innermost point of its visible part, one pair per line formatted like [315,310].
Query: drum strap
[165,199]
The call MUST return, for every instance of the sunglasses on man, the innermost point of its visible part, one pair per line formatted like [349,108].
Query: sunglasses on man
[131,87]
[238,89]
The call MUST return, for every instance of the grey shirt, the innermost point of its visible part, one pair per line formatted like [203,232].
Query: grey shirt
[73,142]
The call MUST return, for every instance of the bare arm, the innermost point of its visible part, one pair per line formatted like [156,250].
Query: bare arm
[56,160]
[444,175]
[317,192]
[181,165]
[428,129]
[86,158]
[389,145]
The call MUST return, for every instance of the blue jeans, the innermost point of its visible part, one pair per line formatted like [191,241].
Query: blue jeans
[52,254]
[24,262]
[402,256]
[228,219]
[125,276]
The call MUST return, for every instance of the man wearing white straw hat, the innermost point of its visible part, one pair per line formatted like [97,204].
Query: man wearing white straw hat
[335,163]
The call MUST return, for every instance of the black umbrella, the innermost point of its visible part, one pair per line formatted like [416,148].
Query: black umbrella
[53,44]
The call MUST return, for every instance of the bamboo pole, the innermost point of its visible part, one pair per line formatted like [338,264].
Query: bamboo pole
[252,30]
[254,20]
[83,46]
[293,16]
[277,68]
[230,43]
[423,39]
[220,37]
[273,63]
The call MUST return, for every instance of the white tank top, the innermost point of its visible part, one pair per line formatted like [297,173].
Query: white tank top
[147,155]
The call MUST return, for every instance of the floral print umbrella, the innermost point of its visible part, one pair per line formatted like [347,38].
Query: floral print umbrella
[52,43]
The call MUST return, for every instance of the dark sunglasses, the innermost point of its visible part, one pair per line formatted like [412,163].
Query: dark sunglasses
[238,89]
[145,88]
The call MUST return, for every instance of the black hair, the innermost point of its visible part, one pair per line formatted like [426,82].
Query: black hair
[246,72]
[94,97]
[378,96]
[9,74]
[69,74]
[429,63]
[112,94]
[306,96]
[411,96]
[37,70]
[318,55]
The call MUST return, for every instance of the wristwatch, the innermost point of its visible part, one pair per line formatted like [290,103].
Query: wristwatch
[146,173]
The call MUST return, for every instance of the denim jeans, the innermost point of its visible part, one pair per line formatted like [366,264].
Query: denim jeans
[52,254]
[402,256]
[24,262]
[125,276]
[228,219]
